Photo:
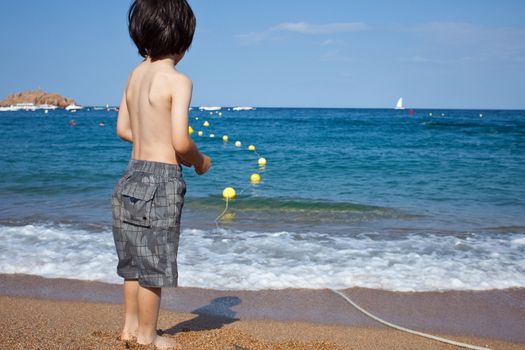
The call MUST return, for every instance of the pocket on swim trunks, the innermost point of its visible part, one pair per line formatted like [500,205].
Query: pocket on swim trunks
[137,200]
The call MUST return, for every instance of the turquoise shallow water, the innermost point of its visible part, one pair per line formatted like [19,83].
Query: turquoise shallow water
[448,188]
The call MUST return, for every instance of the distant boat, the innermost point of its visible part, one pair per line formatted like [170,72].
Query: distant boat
[73,107]
[243,108]
[26,107]
[47,107]
[205,108]
[399,104]
[9,109]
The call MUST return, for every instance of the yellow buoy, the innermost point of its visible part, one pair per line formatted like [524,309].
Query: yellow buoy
[206,123]
[200,133]
[190,130]
[255,178]
[251,148]
[212,135]
[237,143]
[211,113]
[228,193]
[225,138]
[262,161]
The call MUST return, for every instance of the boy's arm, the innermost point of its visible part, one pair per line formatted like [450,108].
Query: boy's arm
[123,121]
[181,90]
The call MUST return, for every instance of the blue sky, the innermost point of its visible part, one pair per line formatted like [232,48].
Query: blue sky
[332,53]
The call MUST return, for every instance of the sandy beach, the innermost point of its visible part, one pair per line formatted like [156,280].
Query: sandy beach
[40,313]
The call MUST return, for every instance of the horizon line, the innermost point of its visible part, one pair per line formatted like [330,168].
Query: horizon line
[325,107]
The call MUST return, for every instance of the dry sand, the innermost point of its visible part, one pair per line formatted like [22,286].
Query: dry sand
[44,313]
[51,324]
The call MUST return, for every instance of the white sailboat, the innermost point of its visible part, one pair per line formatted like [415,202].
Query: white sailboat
[399,104]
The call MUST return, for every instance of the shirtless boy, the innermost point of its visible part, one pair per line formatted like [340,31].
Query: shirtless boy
[147,200]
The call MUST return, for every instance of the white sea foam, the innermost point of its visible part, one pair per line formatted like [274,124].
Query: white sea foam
[227,259]
[518,242]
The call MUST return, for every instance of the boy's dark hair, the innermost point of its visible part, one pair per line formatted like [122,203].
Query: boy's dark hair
[161,27]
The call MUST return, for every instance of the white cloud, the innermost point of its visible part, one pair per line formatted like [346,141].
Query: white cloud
[301,28]
[329,28]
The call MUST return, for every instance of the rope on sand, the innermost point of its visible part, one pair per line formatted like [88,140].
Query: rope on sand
[386,323]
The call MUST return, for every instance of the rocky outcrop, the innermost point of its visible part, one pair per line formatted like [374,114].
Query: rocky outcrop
[37,97]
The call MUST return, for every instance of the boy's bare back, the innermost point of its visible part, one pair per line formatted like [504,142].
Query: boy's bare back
[155,93]
[153,115]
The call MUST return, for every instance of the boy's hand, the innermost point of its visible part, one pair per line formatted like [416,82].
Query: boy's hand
[202,168]
[181,160]
[185,163]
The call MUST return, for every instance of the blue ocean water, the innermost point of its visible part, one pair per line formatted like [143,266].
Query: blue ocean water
[349,197]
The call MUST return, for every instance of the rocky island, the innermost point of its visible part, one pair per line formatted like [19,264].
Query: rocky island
[37,97]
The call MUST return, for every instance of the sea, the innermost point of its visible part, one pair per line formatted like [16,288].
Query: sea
[374,198]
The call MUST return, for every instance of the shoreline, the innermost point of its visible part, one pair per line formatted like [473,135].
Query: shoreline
[498,315]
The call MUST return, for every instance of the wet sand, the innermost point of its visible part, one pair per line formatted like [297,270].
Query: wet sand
[40,313]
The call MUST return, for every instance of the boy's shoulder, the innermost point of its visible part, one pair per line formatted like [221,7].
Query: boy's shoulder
[179,78]
[174,79]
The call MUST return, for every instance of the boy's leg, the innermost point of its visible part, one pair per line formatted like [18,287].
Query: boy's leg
[131,320]
[149,305]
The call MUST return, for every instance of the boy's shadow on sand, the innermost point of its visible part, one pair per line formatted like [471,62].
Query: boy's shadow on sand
[212,316]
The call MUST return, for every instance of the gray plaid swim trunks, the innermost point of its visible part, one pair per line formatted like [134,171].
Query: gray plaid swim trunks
[146,208]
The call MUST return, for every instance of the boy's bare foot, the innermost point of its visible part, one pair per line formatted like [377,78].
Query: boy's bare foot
[165,343]
[129,334]
[161,343]
[130,330]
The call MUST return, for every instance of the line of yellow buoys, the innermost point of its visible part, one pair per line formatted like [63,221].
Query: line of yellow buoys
[229,193]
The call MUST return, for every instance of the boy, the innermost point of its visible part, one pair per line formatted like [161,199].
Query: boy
[148,199]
